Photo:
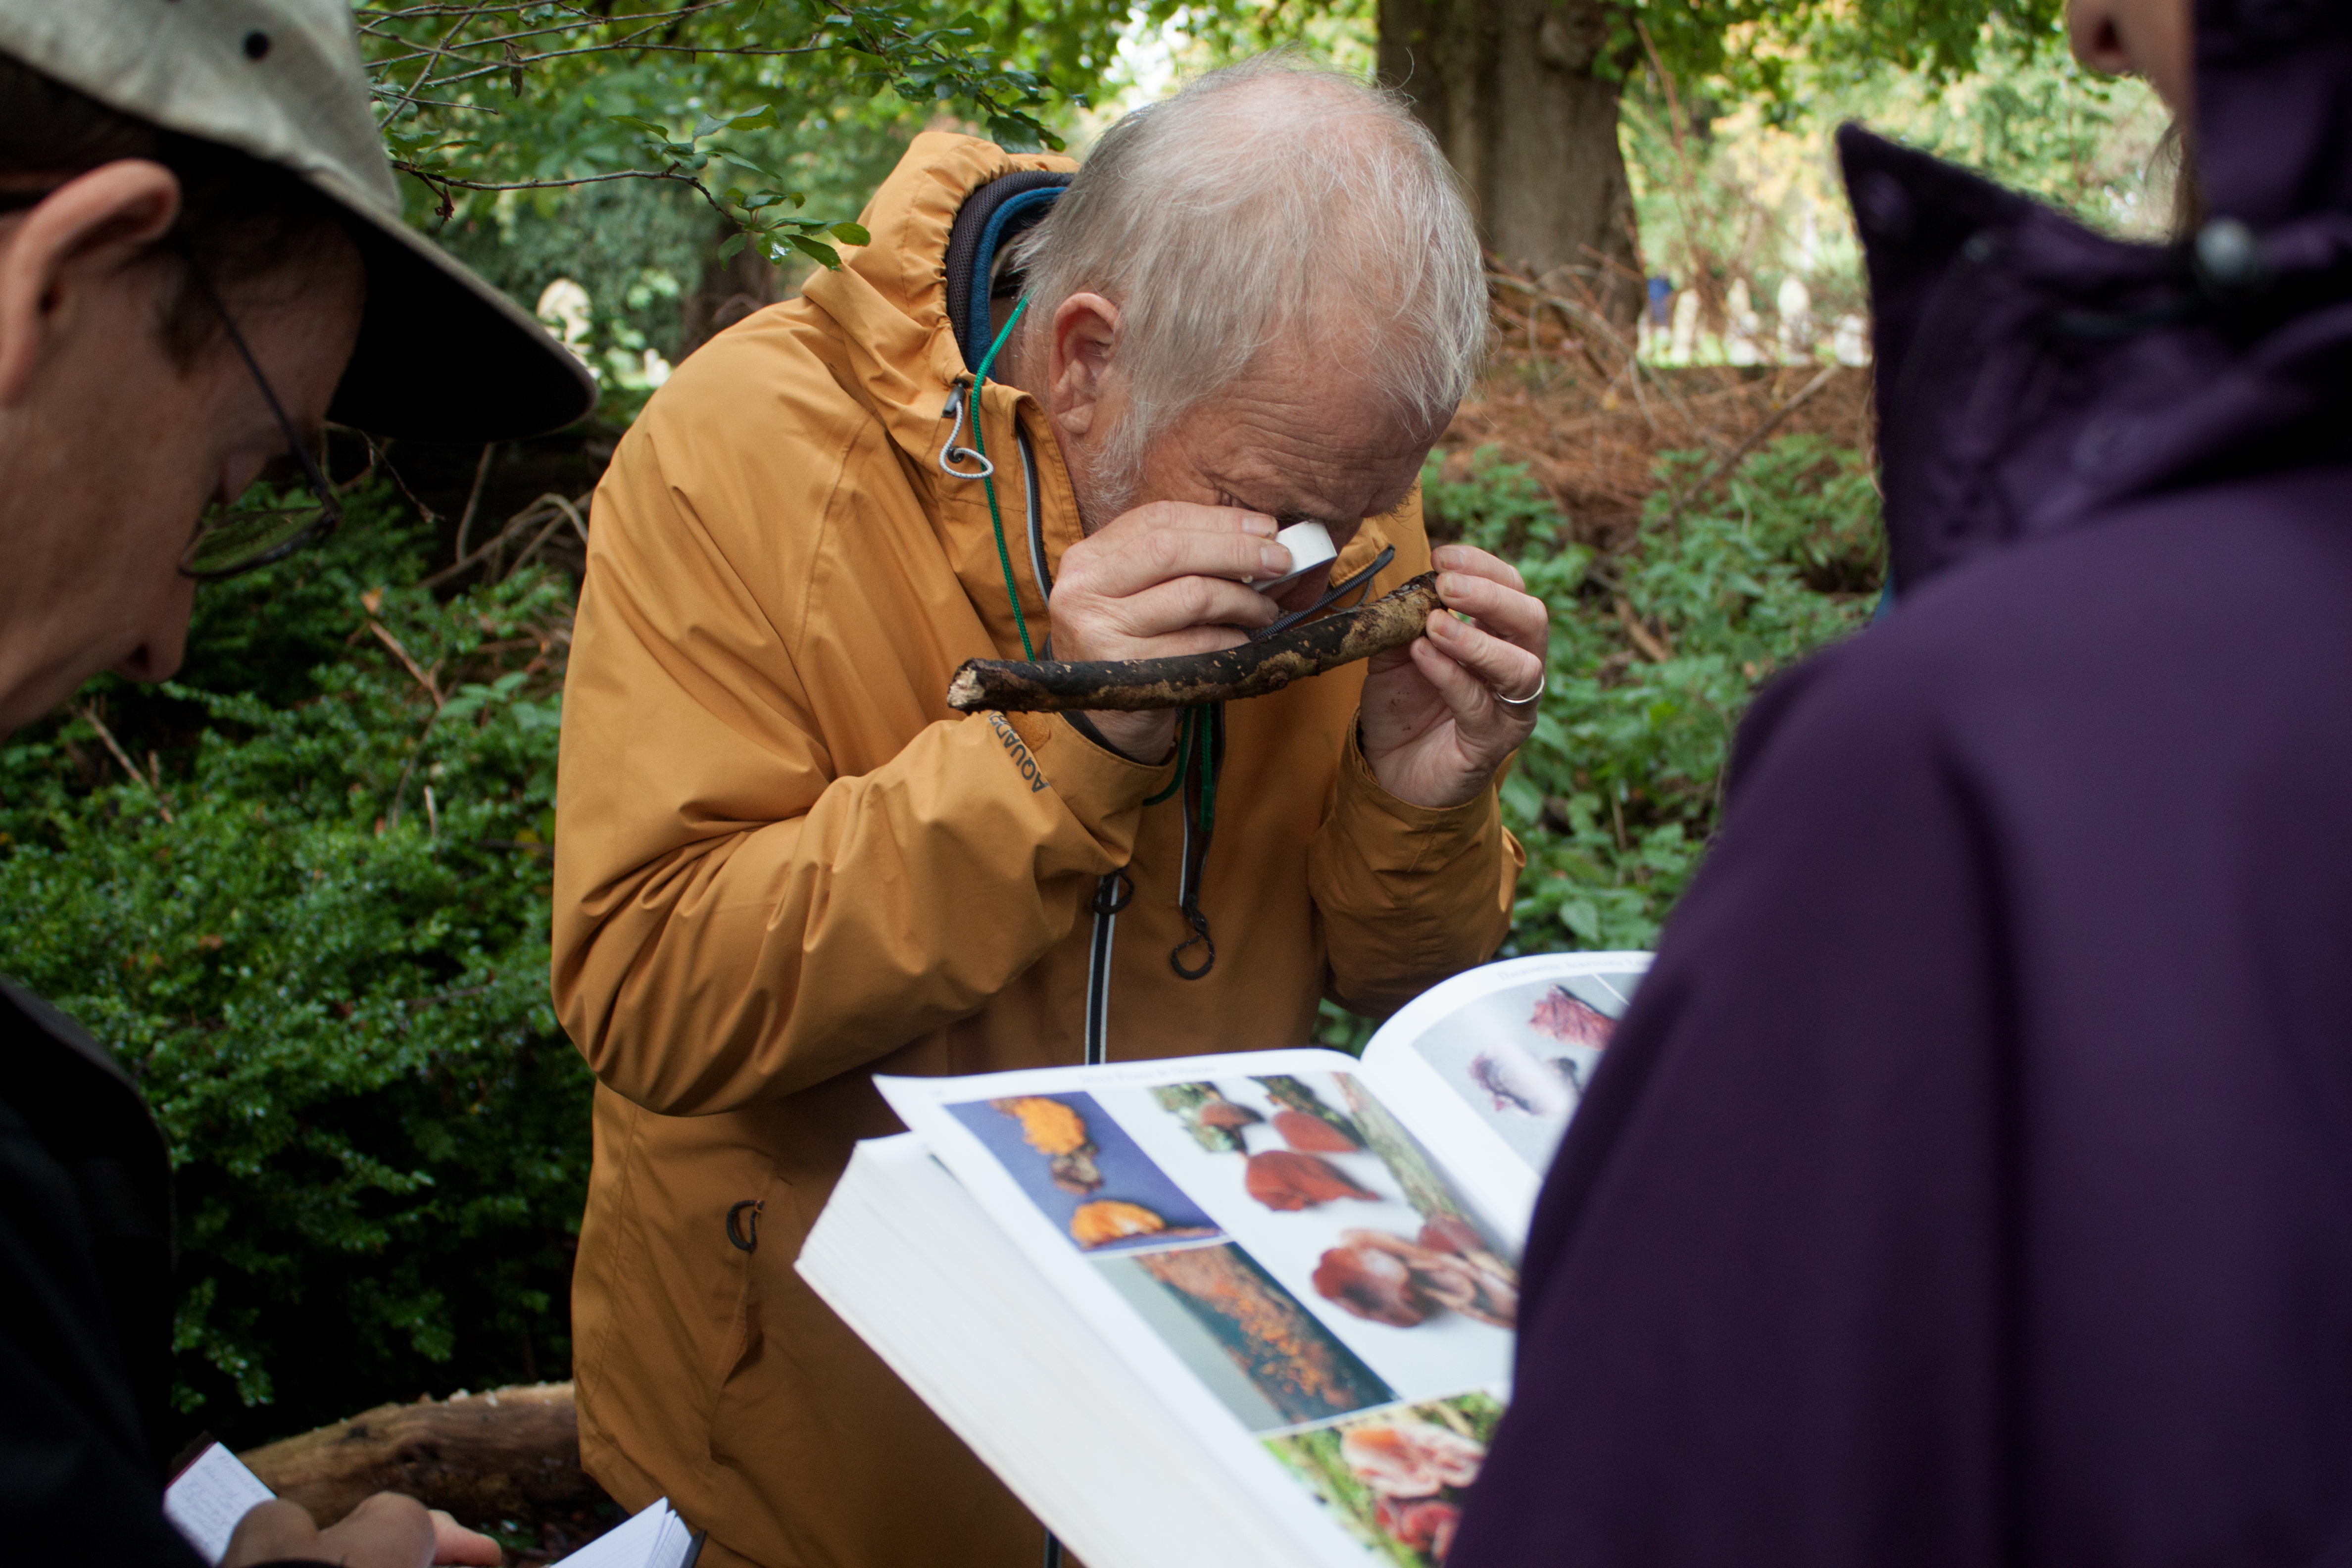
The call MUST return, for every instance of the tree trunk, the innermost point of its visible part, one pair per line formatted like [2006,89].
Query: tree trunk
[1510,90]
[482,1456]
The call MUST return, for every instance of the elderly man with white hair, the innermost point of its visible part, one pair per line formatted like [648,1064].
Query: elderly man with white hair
[1042,408]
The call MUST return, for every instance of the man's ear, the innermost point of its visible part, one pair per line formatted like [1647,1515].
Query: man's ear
[1077,360]
[84,231]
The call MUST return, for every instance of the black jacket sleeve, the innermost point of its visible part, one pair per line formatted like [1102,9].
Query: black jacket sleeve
[76,1480]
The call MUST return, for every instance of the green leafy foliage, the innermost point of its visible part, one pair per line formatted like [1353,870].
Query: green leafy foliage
[521,94]
[1654,657]
[315,932]
[636,146]
[1619,790]
[1745,47]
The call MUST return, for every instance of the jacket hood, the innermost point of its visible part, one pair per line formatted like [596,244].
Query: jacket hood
[2030,371]
[2275,109]
[889,298]
[895,351]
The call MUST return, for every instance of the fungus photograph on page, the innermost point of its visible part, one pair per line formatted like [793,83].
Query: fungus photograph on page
[1251,1308]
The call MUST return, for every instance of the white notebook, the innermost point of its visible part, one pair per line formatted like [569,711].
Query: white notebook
[205,1501]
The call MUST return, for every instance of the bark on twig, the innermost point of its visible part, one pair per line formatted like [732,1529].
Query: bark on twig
[1252,669]
[483,1456]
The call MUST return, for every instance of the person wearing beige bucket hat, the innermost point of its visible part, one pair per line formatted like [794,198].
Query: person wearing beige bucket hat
[202,261]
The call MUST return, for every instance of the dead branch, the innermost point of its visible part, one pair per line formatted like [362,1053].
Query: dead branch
[423,678]
[1755,438]
[1653,648]
[1252,669]
[528,517]
[565,511]
[483,1456]
[87,713]
[1592,321]
[474,496]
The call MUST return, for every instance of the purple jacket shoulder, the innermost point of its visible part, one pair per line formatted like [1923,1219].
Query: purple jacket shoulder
[1970,1183]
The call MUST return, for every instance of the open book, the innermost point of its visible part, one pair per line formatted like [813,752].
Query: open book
[1247,1310]
[215,1491]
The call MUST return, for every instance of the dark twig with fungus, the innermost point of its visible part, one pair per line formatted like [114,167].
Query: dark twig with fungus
[1251,670]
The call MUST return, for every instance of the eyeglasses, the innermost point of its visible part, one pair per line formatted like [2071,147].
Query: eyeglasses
[290,504]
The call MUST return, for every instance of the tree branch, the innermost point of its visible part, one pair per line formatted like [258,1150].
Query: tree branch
[87,713]
[1252,669]
[1755,438]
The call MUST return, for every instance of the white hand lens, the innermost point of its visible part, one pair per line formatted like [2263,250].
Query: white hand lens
[1311,546]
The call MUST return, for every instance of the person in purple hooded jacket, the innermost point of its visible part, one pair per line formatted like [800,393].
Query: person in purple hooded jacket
[1972,1182]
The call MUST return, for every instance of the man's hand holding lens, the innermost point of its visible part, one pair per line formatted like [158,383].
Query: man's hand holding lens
[1165,579]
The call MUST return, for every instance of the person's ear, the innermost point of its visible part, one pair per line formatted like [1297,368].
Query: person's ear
[1077,360]
[2097,40]
[85,230]
[2153,38]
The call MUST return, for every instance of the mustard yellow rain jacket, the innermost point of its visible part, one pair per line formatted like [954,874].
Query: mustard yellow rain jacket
[784,865]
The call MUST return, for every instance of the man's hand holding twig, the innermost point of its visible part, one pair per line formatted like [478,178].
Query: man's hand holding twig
[1441,714]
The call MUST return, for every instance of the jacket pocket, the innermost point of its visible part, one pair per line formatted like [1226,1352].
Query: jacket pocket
[737,1230]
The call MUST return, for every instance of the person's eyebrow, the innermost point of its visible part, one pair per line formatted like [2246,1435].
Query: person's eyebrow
[1284,516]
[1290,509]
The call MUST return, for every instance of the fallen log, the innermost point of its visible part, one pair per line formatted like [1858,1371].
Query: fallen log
[500,1454]
[1251,670]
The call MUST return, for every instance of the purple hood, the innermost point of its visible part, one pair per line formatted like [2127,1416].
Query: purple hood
[2032,371]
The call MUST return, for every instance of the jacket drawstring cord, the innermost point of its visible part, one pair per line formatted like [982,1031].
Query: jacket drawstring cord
[1197,747]
[986,472]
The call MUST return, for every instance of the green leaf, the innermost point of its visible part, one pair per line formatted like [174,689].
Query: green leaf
[1522,801]
[852,234]
[732,244]
[816,250]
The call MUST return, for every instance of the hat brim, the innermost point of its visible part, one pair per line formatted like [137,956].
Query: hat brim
[444,356]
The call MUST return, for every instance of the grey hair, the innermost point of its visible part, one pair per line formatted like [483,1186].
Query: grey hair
[1271,201]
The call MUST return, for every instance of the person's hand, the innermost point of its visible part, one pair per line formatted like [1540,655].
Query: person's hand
[387,1530]
[1435,725]
[1163,580]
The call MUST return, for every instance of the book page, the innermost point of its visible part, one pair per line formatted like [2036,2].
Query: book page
[654,1537]
[1497,1060]
[1301,1277]
[205,1499]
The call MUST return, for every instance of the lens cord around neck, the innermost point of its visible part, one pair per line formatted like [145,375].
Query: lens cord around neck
[988,483]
